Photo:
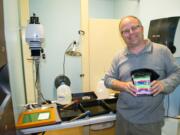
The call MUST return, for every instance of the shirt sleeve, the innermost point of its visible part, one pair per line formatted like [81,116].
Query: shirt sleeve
[172,79]
[112,73]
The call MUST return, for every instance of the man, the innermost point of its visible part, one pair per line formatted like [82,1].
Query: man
[141,115]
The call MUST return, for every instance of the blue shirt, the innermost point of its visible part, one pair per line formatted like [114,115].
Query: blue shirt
[144,109]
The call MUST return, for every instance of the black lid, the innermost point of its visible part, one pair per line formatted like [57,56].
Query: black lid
[145,71]
[34,19]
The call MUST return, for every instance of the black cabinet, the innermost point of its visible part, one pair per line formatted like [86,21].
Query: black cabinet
[163,31]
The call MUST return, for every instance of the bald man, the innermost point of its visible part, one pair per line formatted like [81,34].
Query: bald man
[141,114]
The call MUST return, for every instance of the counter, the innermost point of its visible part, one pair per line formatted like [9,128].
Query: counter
[81,122]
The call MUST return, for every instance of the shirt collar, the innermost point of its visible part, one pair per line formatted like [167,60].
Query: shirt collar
[147,49]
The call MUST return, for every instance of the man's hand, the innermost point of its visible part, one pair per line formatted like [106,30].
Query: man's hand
[156,87]
[125,86]
[129,87]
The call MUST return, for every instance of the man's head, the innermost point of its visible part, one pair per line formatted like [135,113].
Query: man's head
[131,31]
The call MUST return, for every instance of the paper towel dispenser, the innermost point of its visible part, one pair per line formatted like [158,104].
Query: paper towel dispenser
[166,31]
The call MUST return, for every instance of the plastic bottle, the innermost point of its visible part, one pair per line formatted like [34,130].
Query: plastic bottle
[101,91]
[64,95]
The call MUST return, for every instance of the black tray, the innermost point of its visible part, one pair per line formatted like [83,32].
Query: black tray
[111,103]
[71,112]
[96,107]
[85,96]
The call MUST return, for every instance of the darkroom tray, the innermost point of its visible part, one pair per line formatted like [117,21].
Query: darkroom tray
[85,96]
[71,112]
[96,107]
[111,103]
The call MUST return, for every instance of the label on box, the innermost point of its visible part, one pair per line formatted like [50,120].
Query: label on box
[142,84]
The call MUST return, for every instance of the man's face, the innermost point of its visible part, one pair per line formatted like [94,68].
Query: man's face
[132,32]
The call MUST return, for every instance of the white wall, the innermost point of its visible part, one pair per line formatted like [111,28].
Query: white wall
[101,9]
[112,9]
[61,20]
[126,7]
[13,46]
[147,10]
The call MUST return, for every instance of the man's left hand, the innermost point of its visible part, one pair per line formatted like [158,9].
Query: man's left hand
[156,87]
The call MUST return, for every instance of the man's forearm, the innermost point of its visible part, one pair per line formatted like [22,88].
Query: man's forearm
[118,85]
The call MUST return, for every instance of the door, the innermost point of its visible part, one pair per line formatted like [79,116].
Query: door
[104,42]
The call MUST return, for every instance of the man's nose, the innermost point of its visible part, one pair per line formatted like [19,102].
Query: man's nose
[131,31]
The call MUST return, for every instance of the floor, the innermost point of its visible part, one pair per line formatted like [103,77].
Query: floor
[171,127]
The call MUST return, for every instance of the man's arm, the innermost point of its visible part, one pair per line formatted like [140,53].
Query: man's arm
[111,80]
[124,86]
[173,73]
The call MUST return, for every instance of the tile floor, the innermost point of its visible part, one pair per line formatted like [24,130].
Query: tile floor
[171,127]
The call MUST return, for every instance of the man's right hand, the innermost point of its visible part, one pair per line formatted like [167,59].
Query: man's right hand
[125,86]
